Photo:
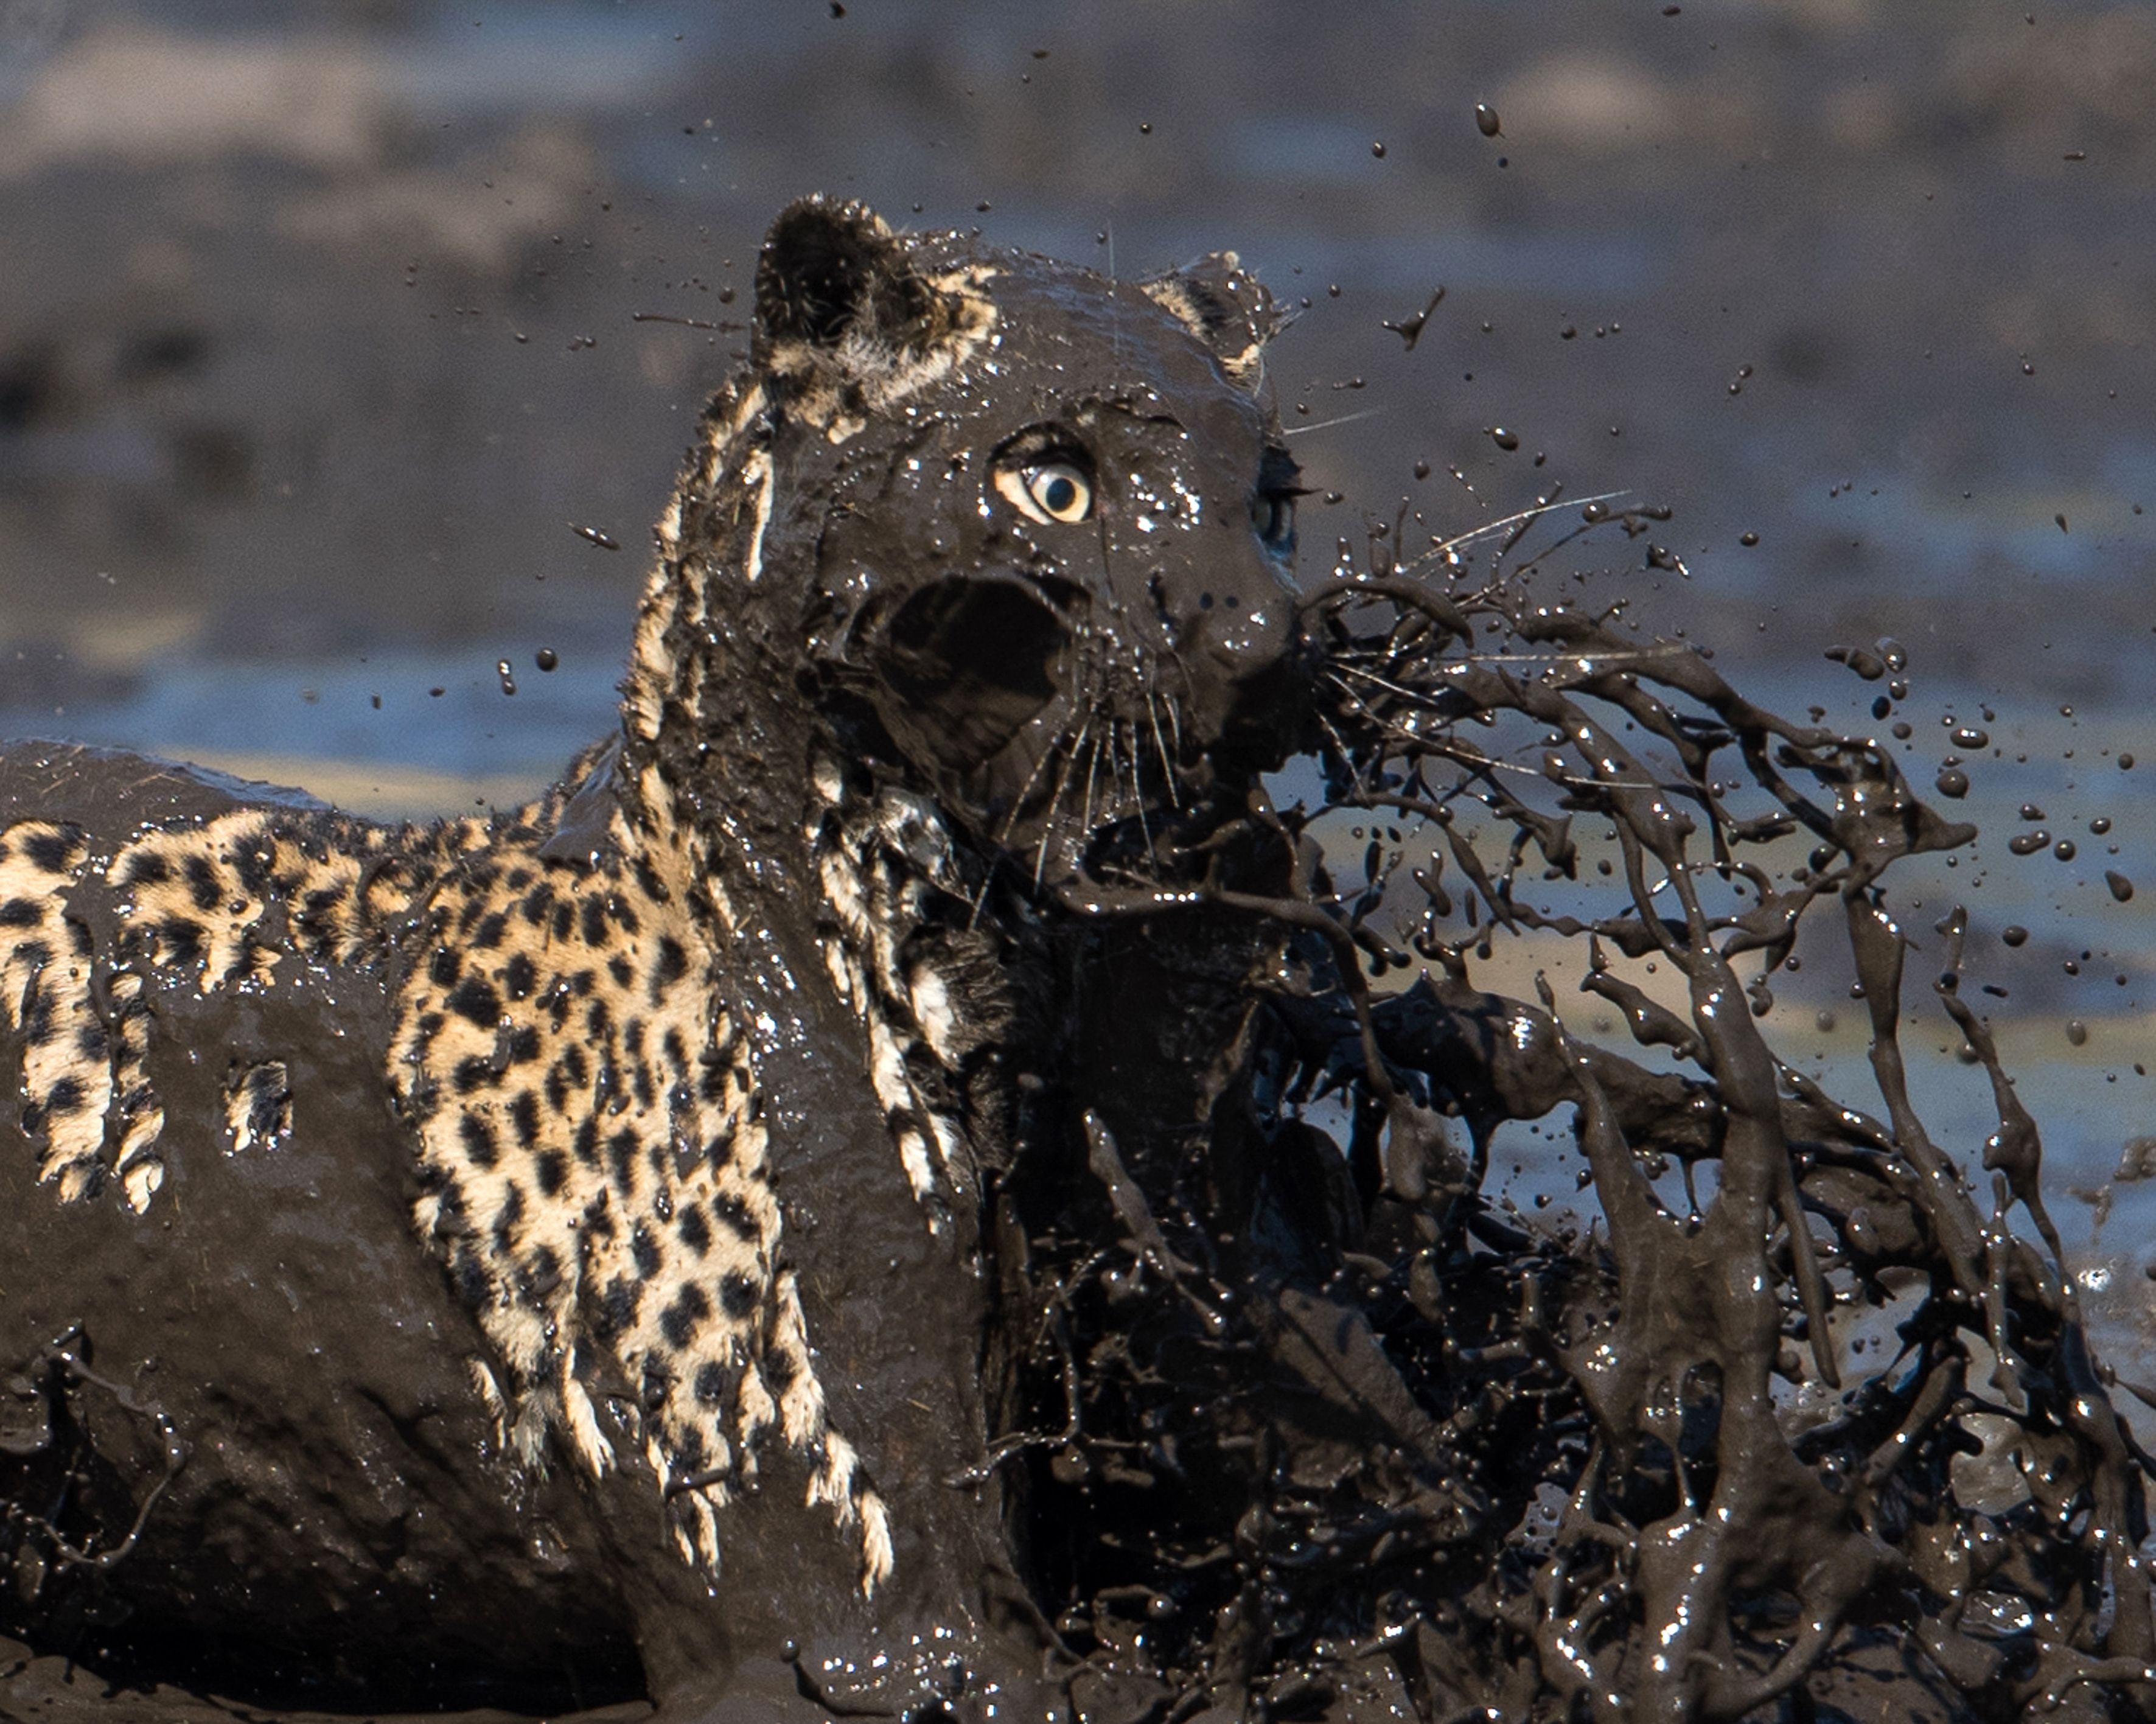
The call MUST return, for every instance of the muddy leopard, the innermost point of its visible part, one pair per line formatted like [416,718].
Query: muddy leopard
[513,1260]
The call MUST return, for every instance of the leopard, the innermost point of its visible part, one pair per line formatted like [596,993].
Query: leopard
[462,1263]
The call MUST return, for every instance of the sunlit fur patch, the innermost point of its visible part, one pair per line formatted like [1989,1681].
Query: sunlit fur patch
[214,906]
[831,388]
[567,1050]
[586,1115]
[258,1106]
[925,997]
[597,1178]
[1237,332]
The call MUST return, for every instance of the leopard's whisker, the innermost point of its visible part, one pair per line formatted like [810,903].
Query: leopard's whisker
[1050,830]
[1160,743]
[1092,777]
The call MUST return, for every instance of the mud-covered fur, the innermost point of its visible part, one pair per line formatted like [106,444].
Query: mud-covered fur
[570,1056]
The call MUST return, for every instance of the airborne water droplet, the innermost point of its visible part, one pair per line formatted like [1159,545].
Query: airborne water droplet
[1485,119]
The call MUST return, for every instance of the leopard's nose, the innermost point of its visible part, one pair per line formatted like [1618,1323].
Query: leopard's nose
[1234,624]
[1240,634]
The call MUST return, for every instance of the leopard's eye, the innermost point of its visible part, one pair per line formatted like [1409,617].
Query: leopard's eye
[1047,490]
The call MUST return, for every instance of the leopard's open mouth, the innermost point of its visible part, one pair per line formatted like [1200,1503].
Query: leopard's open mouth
[1055,733]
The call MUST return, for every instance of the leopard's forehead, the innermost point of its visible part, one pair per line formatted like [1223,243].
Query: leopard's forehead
[1056,339]
[1057,351]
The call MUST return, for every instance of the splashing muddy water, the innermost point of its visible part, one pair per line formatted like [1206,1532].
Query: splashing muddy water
[1800,1408]
[1635,219]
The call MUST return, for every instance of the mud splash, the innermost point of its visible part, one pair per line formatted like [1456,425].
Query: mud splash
[1318,1425]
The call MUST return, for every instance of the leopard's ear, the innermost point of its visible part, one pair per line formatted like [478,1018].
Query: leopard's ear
[1227,308]
[833,275]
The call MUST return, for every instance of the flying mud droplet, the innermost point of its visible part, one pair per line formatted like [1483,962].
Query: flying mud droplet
[2062,520]
[546,659]
[2016,936]
[1487,121]
[508,681]
[2121,888]
[2064,849]
[1748,540]
[1952,783]
[1409,329]
[1506,440]
[1378,150]
[2077,1032]
[2027,843]
[605,541]
[1968,736]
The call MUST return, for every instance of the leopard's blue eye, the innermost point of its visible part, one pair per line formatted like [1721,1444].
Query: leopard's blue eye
[1047,491]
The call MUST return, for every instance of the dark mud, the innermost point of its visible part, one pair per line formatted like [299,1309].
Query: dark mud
[1321,1430]
[1308,1424]
[1299,1416]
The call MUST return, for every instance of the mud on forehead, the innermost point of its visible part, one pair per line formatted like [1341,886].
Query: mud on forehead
[1067,339]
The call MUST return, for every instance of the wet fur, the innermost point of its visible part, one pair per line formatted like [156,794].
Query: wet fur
[594,1165]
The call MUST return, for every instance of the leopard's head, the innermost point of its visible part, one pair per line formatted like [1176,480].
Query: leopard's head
[1012,532]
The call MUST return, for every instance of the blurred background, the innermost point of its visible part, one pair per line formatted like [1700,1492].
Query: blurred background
[347,351]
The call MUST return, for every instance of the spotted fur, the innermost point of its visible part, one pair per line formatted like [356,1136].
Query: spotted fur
[569,1048]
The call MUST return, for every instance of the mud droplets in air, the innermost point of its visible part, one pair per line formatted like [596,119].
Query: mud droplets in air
[546,659]
[2121,888]
[2027,843]
[1487,121]
[1865,664]
[1409,329]
[2077,1032]
[1506,440]
[508,681]
[2016,936]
